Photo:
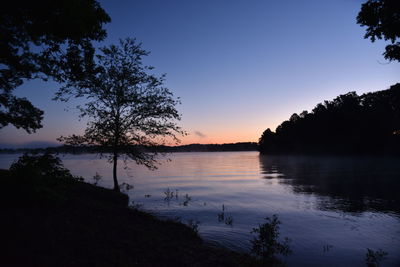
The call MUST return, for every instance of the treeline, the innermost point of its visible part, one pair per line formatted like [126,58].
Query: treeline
[68,149]
[349,124]
[242,146]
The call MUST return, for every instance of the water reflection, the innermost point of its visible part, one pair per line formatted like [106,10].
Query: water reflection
[351,185]
[333,209]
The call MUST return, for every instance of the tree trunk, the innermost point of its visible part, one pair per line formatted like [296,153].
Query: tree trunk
[116,149]
[115,161]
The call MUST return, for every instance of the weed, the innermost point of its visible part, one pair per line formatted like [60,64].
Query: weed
[177,219]
[327,248]
[194,225]
[187,199]
[373,258]
[266,245]
[126,187]
[229,220]
[169,194]
[96,178]
[135,206]
[221,217]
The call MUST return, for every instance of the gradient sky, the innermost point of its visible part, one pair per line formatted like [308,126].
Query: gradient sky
[238,66]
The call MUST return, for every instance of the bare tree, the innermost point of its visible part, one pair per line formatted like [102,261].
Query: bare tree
[128,108]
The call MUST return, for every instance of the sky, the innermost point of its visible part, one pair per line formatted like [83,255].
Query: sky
[239,67]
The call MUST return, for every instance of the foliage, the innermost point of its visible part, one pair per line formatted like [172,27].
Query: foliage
[44,39]
[382,18]
[194,225]
[20,112]
[349,124]
[266,246]
[373,258]
[96,178]
[129,109]
[43,179]
[45,165]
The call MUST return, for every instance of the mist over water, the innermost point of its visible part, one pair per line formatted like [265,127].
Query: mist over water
[332,209]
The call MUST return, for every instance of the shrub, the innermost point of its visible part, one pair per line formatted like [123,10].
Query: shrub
[266,246]
[373,258]
[45,165]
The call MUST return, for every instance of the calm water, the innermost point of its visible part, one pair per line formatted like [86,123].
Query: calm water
[332,209]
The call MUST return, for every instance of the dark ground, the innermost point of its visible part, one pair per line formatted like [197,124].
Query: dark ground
[71,223]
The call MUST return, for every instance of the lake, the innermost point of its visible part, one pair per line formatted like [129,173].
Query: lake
[332,209]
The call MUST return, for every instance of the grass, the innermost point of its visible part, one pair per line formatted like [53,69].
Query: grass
[228,220]
[66,222]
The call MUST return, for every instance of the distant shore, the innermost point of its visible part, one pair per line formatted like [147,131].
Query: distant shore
[242,146]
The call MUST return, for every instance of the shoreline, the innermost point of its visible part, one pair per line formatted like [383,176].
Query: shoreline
[73,223]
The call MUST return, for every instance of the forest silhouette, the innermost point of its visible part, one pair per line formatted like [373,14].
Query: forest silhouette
[349,124]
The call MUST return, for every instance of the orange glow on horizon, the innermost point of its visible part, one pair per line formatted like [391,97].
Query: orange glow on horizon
[218,139]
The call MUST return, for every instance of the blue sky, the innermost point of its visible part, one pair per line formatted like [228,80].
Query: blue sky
[238,66]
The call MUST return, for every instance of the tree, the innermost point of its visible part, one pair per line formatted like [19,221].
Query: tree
[128,108]
[341,126]
[44,39]
[20,112]
[382,18]
[267,142]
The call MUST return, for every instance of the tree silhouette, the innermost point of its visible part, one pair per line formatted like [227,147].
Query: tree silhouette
[20,112]
[44,39]
[129,108]
[382,18]
[349,124]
